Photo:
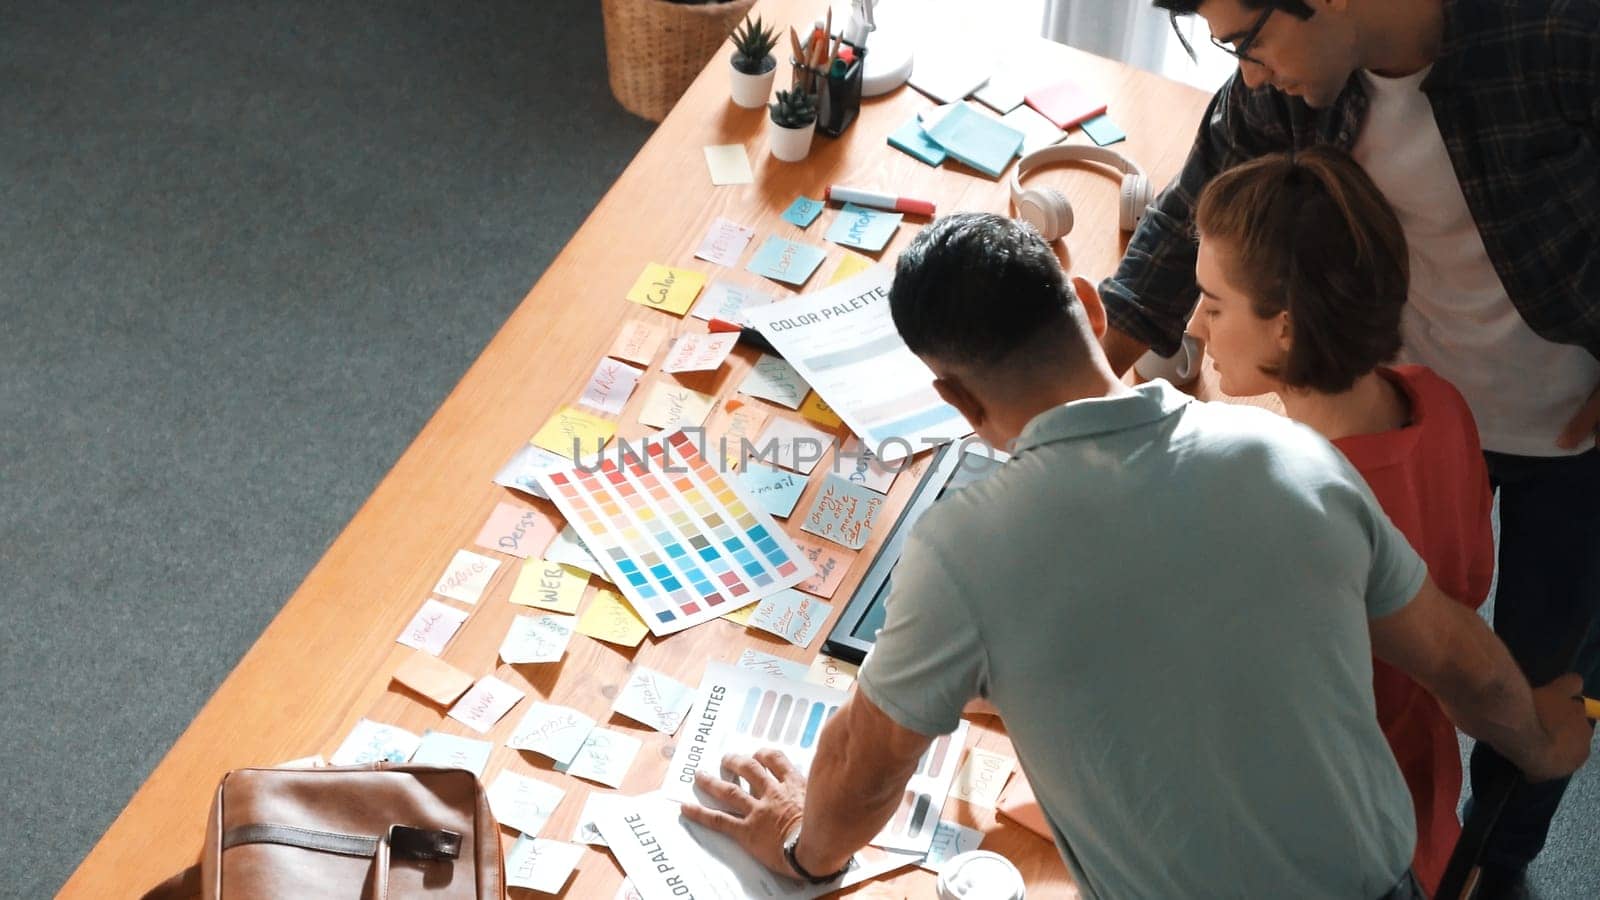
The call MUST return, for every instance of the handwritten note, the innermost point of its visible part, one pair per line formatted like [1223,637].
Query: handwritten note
[432,627]
[803,211]
[852,264]
[833,673]
[549,585]
[573,433]
[370,742]
[518,530]
[724,242]
[669,405]
[550,730]
[485,703]
[861,466]
[521,471]
[729,164]
[727,301]
[844,513]
[775,490]
[569,550]
[793,445]
[767,664]
[608,618]
[819,412]
[432,678]
[452,751]
[699,352]
[521,802]
[638,342]
[667,289]
[466,576]
[982,777]
[610,386]
[540,864]
[604,757]
[950,839]
[792,616]
[651,698]
[772,378]
[868,229]
[537,639]
[786,261]
[830,561]
[744,423]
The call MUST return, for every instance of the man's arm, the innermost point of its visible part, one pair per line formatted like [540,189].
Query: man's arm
[1447,649]
[864,759]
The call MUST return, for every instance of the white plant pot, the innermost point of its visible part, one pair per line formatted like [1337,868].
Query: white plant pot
[790,144]
[752,91]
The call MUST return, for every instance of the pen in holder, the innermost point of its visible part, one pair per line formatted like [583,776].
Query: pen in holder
[836,83]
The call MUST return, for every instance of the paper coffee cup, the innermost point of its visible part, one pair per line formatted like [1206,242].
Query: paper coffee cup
[980,875]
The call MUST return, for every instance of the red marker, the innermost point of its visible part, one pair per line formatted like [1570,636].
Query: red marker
[859,197]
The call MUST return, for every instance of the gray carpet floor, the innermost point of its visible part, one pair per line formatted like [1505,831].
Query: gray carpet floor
[245,250]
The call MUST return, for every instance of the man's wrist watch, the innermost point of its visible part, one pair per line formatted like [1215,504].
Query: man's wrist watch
[799,870]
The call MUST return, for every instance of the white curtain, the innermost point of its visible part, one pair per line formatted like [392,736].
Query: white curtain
[1133,31]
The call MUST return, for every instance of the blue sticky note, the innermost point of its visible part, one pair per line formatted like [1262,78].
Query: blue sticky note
[803,211]
[786,261]
[441,749]
[867,229]
[982,142]
[774,490]
[1103,131]
[913,140]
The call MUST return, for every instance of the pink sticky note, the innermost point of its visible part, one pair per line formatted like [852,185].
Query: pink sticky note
[724,242]
[610,386]
[485,704]
[699,352]
[1066,103]
[432,627]
[518,530]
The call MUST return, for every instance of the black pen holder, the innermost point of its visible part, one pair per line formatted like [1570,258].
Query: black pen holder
[838,98]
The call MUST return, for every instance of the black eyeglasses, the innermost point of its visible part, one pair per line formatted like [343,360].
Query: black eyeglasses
[1239,50]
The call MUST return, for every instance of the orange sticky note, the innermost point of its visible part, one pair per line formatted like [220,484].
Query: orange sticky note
[433,678]
[638,342]
[830,560]
[819,412]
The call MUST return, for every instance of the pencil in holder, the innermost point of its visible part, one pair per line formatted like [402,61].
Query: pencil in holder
[838,94]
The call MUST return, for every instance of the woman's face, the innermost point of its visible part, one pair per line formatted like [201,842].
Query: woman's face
[1240,342]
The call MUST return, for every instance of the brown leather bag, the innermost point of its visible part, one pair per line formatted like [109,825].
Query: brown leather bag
[362,833]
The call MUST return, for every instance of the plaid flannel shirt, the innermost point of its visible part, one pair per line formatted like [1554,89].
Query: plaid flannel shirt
[1515,91]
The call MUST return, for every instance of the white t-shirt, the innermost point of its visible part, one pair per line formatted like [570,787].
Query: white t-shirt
[1459,322]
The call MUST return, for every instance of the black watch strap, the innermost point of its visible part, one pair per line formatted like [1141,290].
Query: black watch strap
[799,870]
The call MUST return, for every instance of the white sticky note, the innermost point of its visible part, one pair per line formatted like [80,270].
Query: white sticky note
[540,864]
[521,471]
[466,576]
[537,639]
[727,301]
[610,387]
[371,742]
[724,242]
[859,465]
[729,164]
[523,803]
[792,616]
[767,664]
[568,550]
[604,757]
[982,777]
[793,445]
[485,703]
[772,378]
[950,839]
[550,730]
[833,673]
[1037,131]
[586,832]
[439,748]
[651,698]
[432,627]
[670,405]
[699,352]
[304,762]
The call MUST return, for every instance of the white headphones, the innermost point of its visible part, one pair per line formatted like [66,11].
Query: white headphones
[1048,210]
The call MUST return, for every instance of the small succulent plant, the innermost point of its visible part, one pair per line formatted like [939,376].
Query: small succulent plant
[794,109]
[753,43]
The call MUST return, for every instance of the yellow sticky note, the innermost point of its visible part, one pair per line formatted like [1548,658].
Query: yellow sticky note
[667,289]
[609,618]
[571,424]
[819,412]
[852,264]
[549,585]
[741,616]
[671,405]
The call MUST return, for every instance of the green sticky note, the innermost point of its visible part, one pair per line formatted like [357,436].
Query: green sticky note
[1103,131]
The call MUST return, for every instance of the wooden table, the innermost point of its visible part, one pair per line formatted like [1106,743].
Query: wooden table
[326,660]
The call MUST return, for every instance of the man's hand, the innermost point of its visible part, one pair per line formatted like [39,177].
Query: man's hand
[762,819]
[1560,708]
[1585,426]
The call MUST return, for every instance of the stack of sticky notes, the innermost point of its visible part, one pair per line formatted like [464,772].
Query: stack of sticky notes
[977,139]
[1066,103]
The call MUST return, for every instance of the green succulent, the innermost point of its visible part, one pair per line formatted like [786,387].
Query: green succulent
[793,109]
[752,47]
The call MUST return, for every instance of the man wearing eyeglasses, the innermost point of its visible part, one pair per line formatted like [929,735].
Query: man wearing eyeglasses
[1480,121]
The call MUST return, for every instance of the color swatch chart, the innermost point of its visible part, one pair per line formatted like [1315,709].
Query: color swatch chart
[680,540]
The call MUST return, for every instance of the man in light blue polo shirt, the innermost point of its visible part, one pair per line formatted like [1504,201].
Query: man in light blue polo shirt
[1172,604]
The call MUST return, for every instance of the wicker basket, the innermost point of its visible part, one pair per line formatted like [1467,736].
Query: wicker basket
[654,49]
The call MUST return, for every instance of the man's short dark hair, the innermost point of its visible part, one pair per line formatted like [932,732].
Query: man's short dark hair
[974,288]
[1296,8]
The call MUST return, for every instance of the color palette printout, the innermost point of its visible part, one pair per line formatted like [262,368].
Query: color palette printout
[742,711]
[680,539]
